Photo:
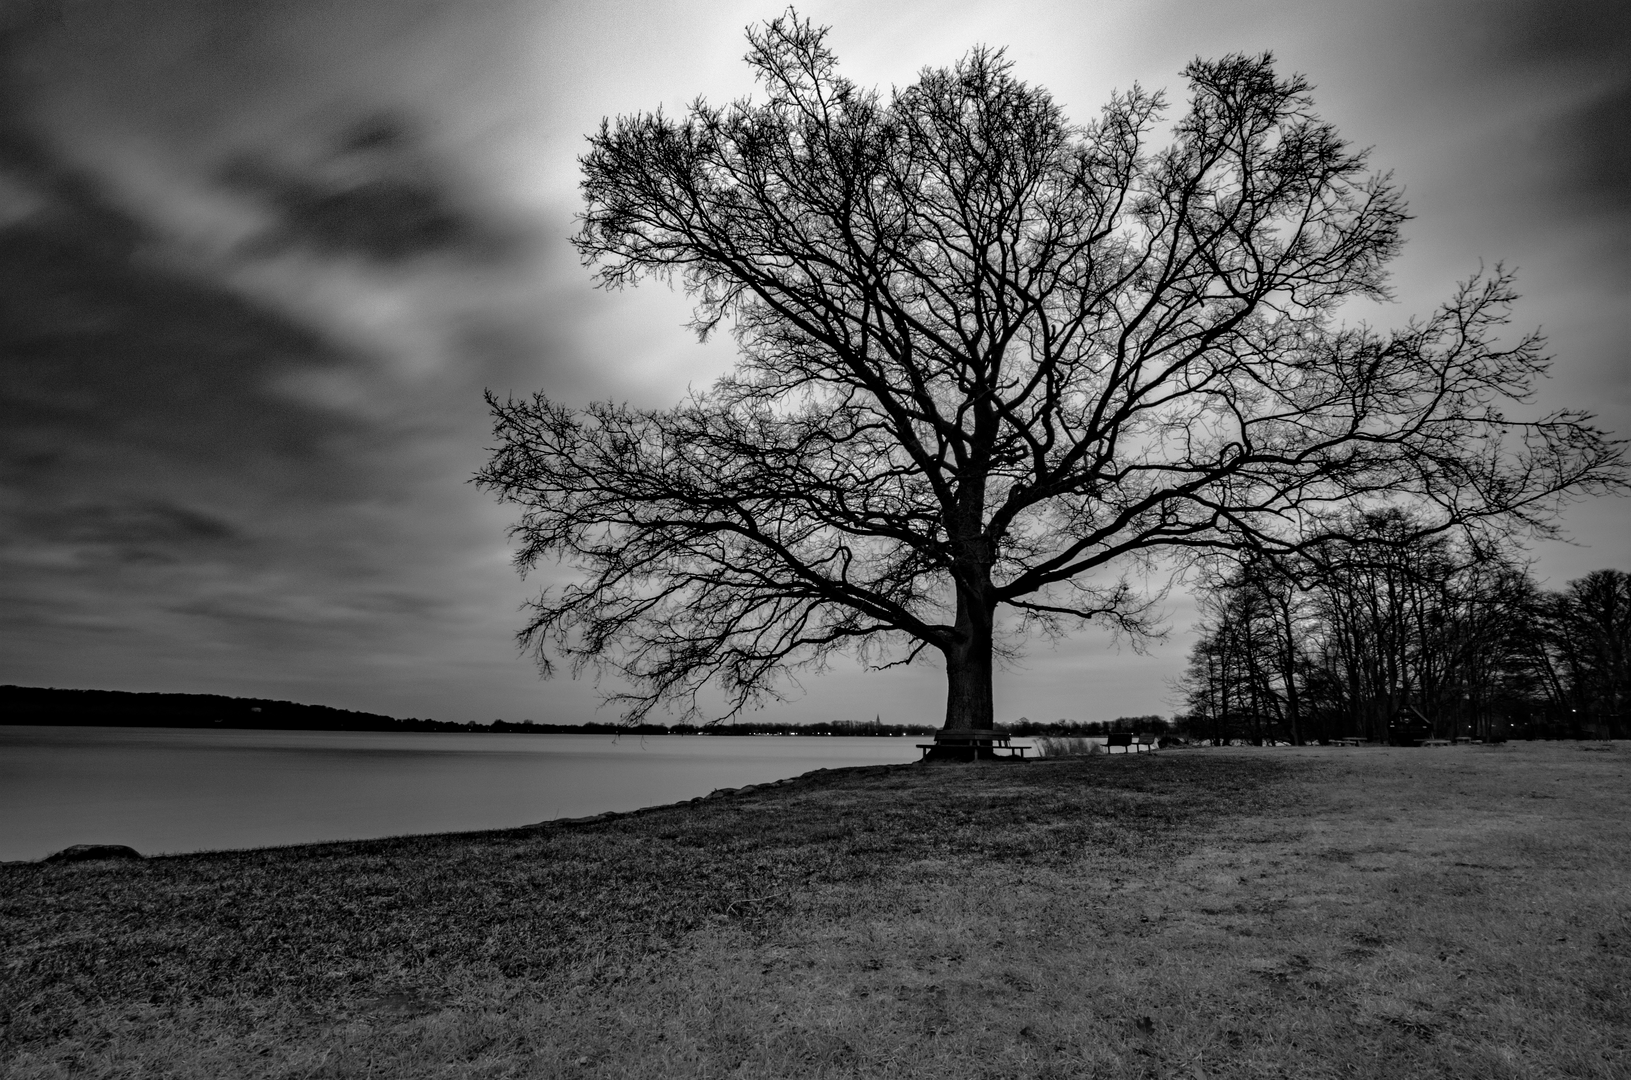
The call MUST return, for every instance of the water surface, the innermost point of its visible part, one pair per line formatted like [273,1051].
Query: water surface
[163,790]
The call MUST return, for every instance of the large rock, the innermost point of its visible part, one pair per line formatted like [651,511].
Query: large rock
[87,852]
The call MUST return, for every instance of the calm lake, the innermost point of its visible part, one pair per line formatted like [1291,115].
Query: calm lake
[189,789]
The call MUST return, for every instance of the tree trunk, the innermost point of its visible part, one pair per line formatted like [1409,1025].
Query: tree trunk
[969,702]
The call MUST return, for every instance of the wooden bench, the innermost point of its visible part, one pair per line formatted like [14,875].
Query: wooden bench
[971,744]
[1130,743]
[1348,742]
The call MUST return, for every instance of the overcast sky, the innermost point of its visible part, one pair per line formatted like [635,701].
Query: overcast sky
[259,258]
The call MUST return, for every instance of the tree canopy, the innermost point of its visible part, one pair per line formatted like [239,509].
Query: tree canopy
[990,361]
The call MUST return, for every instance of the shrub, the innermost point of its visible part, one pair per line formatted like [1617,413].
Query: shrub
[1066,746]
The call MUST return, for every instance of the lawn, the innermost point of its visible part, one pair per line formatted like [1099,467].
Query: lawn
[1461,912]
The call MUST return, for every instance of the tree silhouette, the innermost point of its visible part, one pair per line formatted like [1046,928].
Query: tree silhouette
[990,362]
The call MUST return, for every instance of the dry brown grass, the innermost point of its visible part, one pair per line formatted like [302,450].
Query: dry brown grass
[1059,746]
[1217,913]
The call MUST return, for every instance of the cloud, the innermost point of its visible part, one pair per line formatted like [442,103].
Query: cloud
[1548,34]
[164,496]
[1595,140]
[113,356]
[373,195]
[237,418]
[1555,71]
[1576,50]
[147,530]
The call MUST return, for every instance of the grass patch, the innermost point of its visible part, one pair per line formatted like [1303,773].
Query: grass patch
[1309,913]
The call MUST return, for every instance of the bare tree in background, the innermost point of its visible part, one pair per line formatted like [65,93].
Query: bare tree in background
[1248,665]
[1583,652]
[990,364]
[1336,641]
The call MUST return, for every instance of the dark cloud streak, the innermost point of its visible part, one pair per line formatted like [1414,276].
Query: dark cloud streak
[1574,36]
[1567,60]
[1596,139]
[370,198]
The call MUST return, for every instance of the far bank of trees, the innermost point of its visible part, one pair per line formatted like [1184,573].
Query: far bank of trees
[1342,641]
[1138,725]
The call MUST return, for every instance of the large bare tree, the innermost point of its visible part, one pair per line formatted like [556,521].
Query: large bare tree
[989,361]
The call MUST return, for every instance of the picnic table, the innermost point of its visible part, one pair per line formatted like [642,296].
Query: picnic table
[971,744]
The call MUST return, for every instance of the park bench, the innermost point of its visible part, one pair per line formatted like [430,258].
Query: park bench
[1348,742]
[1123,739]
[971,744]
[1145,744]
[1435,742]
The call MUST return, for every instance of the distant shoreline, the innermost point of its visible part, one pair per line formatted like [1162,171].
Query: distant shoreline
[54,707]
[501,728]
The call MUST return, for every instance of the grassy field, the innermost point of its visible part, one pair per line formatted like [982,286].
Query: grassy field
[1302,913]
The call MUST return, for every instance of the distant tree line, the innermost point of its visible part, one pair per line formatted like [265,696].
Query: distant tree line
[1344,640]
[829,728]
[120,708]
[835,727]
[1138,725]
